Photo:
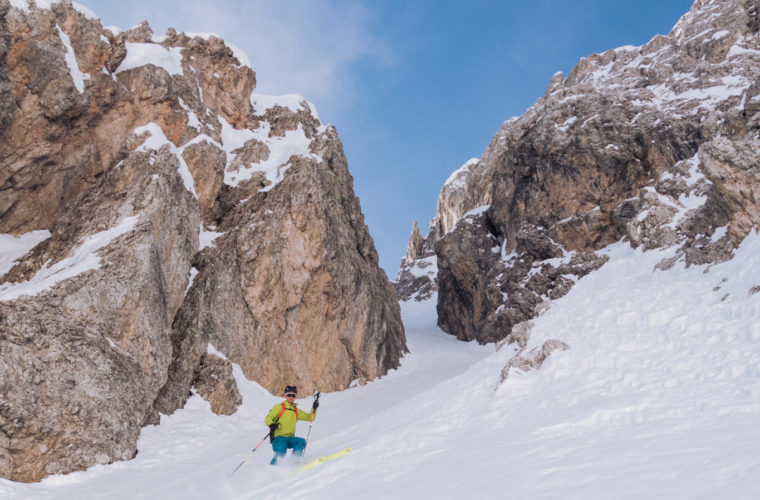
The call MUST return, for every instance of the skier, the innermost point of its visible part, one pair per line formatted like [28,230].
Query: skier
[281,421]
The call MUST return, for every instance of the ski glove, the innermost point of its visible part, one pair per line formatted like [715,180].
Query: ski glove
[272,428]
[315,405]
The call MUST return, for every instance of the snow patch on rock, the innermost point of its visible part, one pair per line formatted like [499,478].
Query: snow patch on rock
[281,149]
[294,102]
[140,54]
[458,178]
[13,248]
[84,258]
[156,141]
[88,13]
[71,61]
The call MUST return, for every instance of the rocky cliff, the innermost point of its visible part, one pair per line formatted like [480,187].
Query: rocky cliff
[159,220]
[656,145]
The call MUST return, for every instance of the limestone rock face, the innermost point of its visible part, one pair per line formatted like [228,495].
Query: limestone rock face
[415,247]
[417,276]
[302,297]
[159,222]
[655,145]
[215,383]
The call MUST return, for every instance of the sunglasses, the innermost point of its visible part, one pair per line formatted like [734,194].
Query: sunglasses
[290,395]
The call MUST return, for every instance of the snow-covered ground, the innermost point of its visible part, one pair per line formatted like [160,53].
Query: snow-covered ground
[657,397]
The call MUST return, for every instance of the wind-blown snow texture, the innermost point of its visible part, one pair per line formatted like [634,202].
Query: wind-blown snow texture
[657,397]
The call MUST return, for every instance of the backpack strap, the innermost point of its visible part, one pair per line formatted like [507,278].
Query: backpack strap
[282,412]
[276,421]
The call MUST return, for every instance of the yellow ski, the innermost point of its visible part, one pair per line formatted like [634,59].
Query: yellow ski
[326,458]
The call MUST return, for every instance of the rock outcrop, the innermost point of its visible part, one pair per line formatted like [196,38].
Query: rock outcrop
[533,359]
[656,145]
[417,276]
[159,222]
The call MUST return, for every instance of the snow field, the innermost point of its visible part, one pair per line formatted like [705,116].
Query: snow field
[657,397]
[658,394]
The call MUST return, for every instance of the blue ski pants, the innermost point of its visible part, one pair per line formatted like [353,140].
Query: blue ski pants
[280,445]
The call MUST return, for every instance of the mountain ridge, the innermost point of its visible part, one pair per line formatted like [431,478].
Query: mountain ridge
[655,145]
[166,222]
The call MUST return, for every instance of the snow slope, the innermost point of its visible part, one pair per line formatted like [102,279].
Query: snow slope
[657,397]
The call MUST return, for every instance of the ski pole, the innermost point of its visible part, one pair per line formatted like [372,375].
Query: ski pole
[251,453]
[311,422]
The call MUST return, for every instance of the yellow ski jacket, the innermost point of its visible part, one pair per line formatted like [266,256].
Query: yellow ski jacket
[287,422]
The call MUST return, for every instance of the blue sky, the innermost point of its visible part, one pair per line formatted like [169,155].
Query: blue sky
[414,87]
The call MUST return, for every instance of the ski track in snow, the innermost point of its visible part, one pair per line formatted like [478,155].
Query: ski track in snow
[657,397]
